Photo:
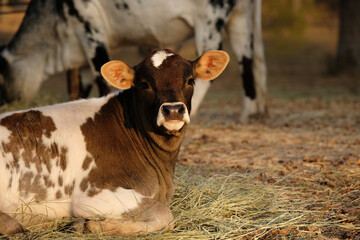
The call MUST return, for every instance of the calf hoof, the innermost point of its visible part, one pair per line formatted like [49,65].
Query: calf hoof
[9,225]
[79,226]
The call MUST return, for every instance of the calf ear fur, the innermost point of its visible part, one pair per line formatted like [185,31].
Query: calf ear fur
[210,64]
[118,74]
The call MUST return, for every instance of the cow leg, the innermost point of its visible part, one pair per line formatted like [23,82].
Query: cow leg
[99,58]
[209,26]
[102,86]
[75,85]
[9,225]
[150,216]
[97,55]
[246,42]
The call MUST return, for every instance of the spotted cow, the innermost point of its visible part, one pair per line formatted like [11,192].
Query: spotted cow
[108,160]
[58,35]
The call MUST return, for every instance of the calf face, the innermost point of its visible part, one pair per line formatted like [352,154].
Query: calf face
[164,84]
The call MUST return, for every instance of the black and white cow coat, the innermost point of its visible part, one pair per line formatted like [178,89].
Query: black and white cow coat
[59,35]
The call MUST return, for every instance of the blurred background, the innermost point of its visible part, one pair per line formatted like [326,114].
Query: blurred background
[301,46]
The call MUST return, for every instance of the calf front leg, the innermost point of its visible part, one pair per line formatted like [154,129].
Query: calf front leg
[9,225]
[150,216]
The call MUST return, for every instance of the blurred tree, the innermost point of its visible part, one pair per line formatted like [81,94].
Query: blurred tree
[348,52]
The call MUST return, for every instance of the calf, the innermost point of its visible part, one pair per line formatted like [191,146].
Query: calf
[110,160]
[58,35]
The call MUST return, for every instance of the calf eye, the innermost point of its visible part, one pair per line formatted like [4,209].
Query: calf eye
[144,85]
[191,82]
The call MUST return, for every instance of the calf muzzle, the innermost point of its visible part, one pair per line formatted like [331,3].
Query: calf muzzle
[173,116]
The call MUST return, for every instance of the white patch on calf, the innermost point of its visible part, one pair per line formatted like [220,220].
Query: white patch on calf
[110,203]
[159,57]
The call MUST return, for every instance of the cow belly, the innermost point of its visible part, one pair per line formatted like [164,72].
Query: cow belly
[172,33]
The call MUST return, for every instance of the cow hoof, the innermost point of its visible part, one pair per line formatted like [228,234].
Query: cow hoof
[253,109]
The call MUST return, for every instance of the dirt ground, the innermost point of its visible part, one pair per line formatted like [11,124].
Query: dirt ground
[310,138]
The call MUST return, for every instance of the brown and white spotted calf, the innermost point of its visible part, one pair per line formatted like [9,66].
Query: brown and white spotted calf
[111,159]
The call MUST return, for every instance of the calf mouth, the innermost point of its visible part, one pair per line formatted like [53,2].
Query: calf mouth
[173,125]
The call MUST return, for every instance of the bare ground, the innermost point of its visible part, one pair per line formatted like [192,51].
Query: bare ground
[310,139]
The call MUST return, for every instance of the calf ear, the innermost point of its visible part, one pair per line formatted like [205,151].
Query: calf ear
[210,64]
[118,74]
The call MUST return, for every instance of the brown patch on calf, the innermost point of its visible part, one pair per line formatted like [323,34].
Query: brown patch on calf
[69,188]
[124,155]
[63,158]
[87,162]
[84,184]
[58,194]
[26,143]
[60,181]
[48,183]
[29,183]
[27,132]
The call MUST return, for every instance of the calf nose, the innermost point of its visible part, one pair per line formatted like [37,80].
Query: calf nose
[173,108]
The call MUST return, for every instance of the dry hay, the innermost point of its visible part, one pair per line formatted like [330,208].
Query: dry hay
[234,205]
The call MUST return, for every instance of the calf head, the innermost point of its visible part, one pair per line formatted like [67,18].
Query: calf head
[164,83]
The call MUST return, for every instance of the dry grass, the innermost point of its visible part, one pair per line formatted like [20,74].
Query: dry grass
[233,204]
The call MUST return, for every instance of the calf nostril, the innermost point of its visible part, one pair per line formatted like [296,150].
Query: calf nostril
[176,108]
[166,110]
[181,110]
